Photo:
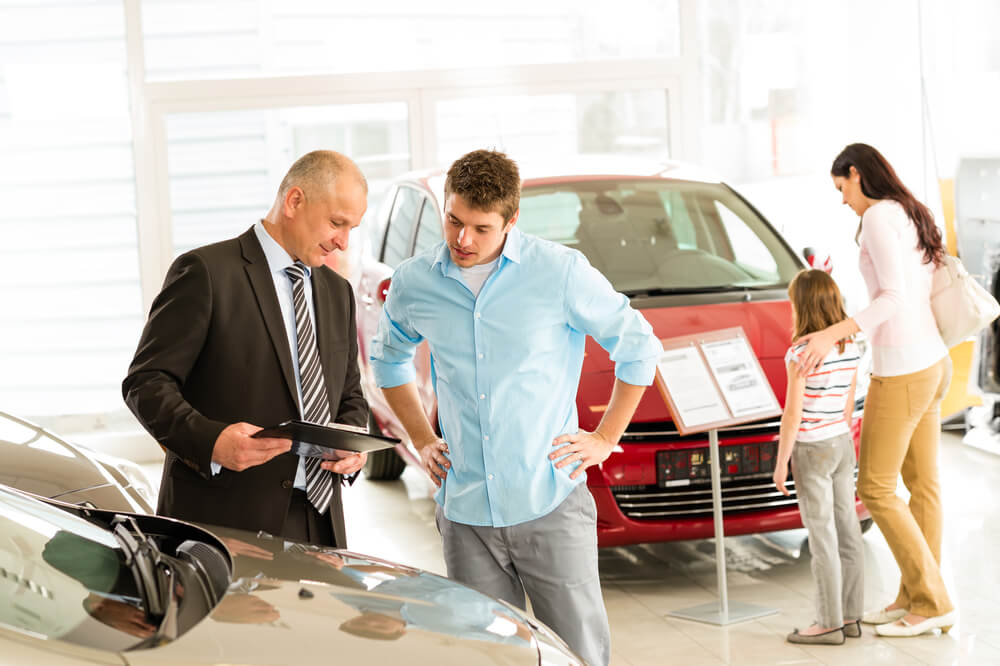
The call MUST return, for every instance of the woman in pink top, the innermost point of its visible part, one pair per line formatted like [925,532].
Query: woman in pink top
[911,369]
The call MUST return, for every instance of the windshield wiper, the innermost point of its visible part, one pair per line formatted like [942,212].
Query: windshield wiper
[154,578]
[704,289]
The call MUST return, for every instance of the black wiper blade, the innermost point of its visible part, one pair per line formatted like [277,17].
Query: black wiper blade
[154,577]
[667,291]
[703,289]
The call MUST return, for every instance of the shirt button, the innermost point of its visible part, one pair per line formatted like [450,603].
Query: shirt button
[486,437]
[490,477]
[481,355]
[482,396]
[479,315]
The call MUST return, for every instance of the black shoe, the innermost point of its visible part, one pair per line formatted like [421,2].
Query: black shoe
[832,637]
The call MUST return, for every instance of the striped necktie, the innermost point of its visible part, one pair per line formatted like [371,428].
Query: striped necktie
[315,404]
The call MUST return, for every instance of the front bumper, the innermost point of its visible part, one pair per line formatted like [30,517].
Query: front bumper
[632,508]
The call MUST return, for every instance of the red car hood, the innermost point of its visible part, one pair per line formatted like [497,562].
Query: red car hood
[767,325]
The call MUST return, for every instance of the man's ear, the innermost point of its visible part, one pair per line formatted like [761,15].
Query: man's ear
[294,198]
[512,221]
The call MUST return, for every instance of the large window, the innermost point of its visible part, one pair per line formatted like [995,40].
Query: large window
[210,39]
[225,166]
[543,127]
[70,305]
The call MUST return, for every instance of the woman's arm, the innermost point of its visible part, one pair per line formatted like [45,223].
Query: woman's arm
[821,342]
[882,240]
[791,419]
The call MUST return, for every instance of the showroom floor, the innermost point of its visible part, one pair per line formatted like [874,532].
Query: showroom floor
[642,584]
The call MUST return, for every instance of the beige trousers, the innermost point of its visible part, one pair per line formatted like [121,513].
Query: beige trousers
[901,434]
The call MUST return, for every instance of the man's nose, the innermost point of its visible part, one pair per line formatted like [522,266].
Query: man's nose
[463,236]
[341,240]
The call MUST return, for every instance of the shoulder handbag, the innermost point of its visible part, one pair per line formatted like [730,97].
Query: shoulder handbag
[962,307]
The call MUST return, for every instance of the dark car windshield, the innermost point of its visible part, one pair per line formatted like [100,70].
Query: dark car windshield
[62,577]
[659,236]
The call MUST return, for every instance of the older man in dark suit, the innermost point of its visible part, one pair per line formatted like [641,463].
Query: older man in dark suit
[245,334]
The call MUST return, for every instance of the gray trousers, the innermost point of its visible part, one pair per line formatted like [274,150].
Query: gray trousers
[552,558]
[824,483]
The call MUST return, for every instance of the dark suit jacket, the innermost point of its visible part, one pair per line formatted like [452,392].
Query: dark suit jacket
[214,352]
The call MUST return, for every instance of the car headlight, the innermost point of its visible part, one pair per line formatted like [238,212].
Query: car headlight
[131,474]
[137,479]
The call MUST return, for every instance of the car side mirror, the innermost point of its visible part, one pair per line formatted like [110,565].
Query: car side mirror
[816,259]
[383,290]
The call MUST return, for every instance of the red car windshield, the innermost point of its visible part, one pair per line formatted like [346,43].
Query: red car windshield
[656,236]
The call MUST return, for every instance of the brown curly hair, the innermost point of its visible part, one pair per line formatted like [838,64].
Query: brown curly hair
[487,180]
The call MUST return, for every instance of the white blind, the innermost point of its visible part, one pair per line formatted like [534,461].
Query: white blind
[205,39]
[70,305]
[225,166]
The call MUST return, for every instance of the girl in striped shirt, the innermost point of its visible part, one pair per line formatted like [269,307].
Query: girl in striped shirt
[816,438]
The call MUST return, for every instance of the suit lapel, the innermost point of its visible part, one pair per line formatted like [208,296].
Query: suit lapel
[263,288]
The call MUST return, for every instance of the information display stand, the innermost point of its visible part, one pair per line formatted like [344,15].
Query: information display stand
[710,381]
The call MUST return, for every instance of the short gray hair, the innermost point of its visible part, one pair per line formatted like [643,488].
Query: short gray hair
[319,169]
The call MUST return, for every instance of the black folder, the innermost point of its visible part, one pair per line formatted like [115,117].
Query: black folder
[323,441]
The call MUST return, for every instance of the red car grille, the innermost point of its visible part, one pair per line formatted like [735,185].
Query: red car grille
[695,500]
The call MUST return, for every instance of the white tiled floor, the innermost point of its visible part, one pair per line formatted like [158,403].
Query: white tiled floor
[643,583]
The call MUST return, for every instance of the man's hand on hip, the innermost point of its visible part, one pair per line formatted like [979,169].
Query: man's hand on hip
[586,448]
[434,460]
[235,449]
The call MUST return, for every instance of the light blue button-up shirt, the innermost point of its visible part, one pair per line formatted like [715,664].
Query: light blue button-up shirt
[506,367]
[278,260]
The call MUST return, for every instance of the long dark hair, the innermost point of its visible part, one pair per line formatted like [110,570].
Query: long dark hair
[879,181]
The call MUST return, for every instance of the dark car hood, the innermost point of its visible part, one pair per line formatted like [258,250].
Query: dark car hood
[296,604]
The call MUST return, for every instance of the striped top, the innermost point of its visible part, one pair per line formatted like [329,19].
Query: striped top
[826,393]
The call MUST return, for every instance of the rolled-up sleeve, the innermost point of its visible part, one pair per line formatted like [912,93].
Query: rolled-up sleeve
[595,308]
[395,342]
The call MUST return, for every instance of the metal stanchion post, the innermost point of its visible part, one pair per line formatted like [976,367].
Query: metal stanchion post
[720,613]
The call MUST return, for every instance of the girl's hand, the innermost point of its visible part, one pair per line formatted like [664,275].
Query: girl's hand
[819,345]
[780,476]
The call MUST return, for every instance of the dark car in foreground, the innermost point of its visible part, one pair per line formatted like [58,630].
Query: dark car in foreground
[41,462]
[83,585]
[693,256]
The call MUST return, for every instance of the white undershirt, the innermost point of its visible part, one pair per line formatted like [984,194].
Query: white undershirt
[476,276]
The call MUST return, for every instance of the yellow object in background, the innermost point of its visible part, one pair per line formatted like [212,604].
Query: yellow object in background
[958,397]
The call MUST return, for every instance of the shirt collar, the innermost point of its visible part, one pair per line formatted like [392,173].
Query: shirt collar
[277,257]
[511,250]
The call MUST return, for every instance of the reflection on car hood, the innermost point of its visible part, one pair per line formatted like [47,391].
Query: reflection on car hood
[39,462]
[291,603]
[44,465]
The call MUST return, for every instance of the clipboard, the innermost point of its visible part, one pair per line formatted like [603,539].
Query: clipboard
[720,388]
[324,441]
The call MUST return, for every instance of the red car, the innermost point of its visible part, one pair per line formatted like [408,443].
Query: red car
[692,255]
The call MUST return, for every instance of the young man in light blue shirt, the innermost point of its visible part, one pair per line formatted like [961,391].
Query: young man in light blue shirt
[506,316]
